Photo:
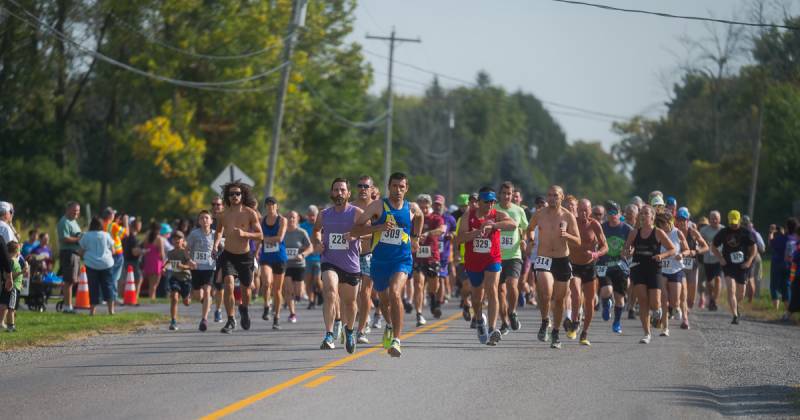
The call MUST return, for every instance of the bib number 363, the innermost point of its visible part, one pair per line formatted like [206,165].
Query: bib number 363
[506,242]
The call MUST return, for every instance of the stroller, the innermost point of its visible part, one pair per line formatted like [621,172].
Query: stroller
[41,284]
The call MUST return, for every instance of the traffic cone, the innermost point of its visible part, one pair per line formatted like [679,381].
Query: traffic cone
[82,297]
[130,298]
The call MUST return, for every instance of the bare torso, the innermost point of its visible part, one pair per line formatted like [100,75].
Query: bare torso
[582,254]
[551,244]
[234,220]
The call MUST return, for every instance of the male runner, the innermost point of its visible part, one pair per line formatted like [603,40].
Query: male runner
[735,248]
[313,275]
[573,300]
[365,189]
[711,263]
[511,250]
[557,226]
[239,224]
[447,272]
[583,257]
[426,260]
[612,270]
[341,269]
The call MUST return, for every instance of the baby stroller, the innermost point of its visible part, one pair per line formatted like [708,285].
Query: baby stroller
[41,283]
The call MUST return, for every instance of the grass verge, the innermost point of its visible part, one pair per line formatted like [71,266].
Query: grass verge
[36,329]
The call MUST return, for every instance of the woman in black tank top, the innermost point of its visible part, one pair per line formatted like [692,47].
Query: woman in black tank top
[643,245]
[697,246]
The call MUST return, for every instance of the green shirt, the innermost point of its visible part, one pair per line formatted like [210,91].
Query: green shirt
[67,229]
[16,274]
[509,240]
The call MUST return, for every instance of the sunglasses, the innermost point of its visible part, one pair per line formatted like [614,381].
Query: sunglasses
[235,194]
[364,186]
[613,213]
[597,214]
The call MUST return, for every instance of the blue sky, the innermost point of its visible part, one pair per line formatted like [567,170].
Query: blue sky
[615,63]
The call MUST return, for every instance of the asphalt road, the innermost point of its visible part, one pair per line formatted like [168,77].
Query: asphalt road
[714,370]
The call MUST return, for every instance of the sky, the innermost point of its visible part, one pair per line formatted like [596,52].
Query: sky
[610,62]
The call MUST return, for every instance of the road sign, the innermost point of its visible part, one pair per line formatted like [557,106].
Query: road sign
[229,174]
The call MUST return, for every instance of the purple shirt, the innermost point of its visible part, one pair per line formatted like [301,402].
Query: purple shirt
[338,249]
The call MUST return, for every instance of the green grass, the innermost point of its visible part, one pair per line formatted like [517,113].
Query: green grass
[36,329]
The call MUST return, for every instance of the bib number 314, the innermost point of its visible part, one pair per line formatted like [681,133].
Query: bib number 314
[542,263]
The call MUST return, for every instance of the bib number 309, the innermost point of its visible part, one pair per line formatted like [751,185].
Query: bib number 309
[392,236]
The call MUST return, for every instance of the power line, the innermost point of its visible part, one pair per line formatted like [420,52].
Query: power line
[340,118]
[185,83]
[669,15]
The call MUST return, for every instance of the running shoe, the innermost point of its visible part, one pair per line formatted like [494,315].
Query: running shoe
[606,309]
[735,320]
[265,315]
[685,325]
[349,342]
[483,335]
[388,335]
[542,336]
[494,338]
[11,328]
[436,310]
[367,329]
[465,313]
[173,326]
[712,305]
[245,317]
[362,338]
[376,323]
[645,339]
[327,342]
[504,329]
[585,339]
[473,323]
[337,330]
[276,325]
[631,314]
[617,327]
[572,332]
[217,316]
[394,348]
[421,319]
[514,321]
[566,324]
[203,325]
[292,318]
[229,326]
[407,306]
[310,305]
[679,314]
[664,332]
[555,343]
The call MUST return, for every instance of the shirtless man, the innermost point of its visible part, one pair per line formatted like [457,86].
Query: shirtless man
[365,190]
[583,258]
[239,224]
[557,227]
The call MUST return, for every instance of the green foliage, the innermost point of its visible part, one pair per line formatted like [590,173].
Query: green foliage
[586,170]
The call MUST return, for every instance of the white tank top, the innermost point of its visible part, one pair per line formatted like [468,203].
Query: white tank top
[671,265]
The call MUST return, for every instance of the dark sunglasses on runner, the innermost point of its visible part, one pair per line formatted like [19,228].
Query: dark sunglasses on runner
[235,194]
[364,186]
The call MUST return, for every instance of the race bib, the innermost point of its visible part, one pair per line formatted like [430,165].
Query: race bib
[337,241]
[292,252]
[506,242]
[269,248]
[668,264]
[601,270]
[172,265]
[688,263]
[481,245]
[201,256]
[737,257]
[441,247]
[392,236]
[424,252]
[542,263]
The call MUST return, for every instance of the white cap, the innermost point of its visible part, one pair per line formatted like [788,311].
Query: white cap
[5,207]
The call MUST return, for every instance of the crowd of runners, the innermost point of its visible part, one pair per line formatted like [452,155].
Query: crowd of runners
[369,260]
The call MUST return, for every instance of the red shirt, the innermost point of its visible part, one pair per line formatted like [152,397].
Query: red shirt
[482,251]
[432,221]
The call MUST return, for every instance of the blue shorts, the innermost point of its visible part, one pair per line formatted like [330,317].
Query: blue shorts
[476,277]
[366,263]
[382,273]
[444,268]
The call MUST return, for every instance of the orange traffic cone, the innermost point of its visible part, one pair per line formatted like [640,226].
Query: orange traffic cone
[130,297]
[82,297]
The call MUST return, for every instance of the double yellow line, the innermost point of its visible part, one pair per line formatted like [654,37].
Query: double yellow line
[232,408]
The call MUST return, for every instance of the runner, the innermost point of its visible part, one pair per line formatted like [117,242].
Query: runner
[573,300]
[393,244]
[532,239]
[557,226]
[738,250]
[583,258]
[632,218]
[447,272]
[298,248]
[339,246]
[671,280]
[511,250]
[697,245]
[483,259]
[426,260]
[365,189]
[178,272]
[272,260]
[217,206]
[612,270]
[238,224]
[201,250]
[711,263]
[313,274]
[642,246]
[466,202]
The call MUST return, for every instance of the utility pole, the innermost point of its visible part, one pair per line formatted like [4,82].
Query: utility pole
[751,202]
[451,125]
[387,157]
[297,22]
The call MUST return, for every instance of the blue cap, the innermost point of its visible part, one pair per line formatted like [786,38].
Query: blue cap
[683,213]
[672,201]
[166,229]
[487,196]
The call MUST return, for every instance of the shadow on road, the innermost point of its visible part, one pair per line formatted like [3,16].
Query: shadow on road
[760,400]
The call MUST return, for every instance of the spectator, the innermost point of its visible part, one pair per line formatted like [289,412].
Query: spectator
[132,250]
[97,249]
[754,277]
[154,256]
[6,227]
[33,242]
[42,253]
[5,272]
[117,231]
[779,274]
[9,295]
[794,278]
[69,233]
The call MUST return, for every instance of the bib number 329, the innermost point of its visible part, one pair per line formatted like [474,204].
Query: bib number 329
[482,245]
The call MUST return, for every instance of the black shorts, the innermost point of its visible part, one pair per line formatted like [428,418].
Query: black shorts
[184,287]
[560,268]
[712,270]
[344,277]
[9,298]
[617,278]
[201,278]
[511,268]
[644,276]
[583,271]
[735,272]
[70,265]
[428,269]
[295,273]
[239,266]
[675,277]
[278,267]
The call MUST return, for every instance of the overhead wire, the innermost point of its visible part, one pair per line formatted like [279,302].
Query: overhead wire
[340,118]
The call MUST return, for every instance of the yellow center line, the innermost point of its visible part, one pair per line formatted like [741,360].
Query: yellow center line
[232,408]
[319,381]
[440,329]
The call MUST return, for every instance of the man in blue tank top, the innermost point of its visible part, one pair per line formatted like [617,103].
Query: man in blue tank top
[393,241]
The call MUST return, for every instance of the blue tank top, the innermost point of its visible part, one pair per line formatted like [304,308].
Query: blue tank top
[393,246]
[338,249]
[272,254]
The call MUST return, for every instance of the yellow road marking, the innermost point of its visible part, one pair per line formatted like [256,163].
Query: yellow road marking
[440,329]
[232,408]
[319,381]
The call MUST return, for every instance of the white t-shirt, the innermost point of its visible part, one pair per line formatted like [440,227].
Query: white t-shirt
[8,233]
